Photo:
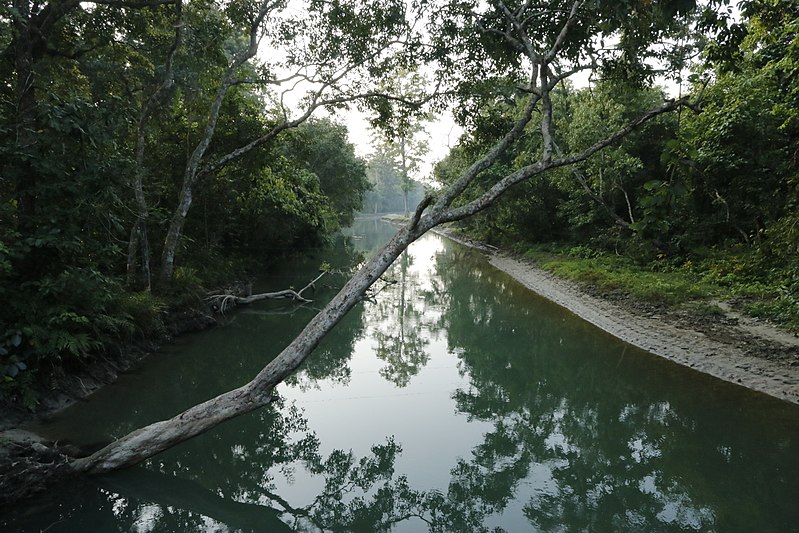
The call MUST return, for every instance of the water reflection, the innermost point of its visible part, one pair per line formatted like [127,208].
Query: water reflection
[454,402]
[397,319]
[596,440]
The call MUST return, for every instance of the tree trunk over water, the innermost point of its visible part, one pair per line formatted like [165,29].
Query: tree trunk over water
[431,212]
[150,440]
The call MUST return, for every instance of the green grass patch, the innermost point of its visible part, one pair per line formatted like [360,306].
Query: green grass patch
[690,284]
[783,310]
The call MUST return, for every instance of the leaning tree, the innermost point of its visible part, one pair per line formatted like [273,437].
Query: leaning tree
[484,52]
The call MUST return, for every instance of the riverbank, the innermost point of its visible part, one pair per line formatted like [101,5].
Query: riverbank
[729,346]
[63,388]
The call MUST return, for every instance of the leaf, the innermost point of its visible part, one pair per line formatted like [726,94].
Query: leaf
[16,339]
[652,185]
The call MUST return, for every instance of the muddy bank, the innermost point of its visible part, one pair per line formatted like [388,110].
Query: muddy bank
[63,388]
[29,463]
[732,348]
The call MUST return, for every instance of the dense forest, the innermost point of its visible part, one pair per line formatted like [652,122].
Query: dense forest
[116,119]
[706,195]
[148,153]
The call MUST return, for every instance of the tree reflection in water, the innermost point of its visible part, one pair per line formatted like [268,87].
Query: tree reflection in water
[597,443]
[397,321]
[579,435]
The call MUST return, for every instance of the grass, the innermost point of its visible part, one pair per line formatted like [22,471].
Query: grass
[689,285]
[610,274]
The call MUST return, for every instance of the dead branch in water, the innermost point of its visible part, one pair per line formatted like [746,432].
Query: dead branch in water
[226,301]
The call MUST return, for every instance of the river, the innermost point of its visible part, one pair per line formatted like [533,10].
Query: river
[452,400]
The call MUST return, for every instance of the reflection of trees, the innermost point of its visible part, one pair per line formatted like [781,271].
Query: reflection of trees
[330,361]
[570,446]
[583,451]
[369,233]
[398,316]
[173,492]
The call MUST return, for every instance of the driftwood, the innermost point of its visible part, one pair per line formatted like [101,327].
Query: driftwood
[223,302]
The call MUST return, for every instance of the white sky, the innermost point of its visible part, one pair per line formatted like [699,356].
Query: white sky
[442,134]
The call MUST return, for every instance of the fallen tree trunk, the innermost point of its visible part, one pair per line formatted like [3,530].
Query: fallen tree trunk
[150,440]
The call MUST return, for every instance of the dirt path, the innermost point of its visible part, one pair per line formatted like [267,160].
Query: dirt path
[736,349]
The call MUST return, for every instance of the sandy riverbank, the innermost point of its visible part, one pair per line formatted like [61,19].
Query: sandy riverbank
[739,356]
[733,348]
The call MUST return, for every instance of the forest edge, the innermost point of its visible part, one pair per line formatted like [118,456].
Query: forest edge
[730,347]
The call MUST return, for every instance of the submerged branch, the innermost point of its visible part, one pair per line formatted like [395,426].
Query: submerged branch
[226,301]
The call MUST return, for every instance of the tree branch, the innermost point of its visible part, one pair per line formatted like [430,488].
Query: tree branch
[526,172]
[226,301]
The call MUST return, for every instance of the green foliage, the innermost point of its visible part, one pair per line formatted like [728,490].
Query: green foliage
[146,311]
[69,139]
[66,201]
[723,180]
[617,275]
[321,147]
[782,310]
[12,365]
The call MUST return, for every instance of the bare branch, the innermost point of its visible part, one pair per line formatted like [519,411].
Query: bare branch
[546,119]
[489,159]
[564,31]
[428,199]
[226,301]
[581,179]
[315,104]
[525,38]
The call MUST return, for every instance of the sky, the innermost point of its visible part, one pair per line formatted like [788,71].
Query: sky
[442,134]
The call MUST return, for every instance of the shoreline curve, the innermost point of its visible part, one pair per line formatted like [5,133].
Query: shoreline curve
[677,343]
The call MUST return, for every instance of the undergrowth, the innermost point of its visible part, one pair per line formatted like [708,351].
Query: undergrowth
[691,283]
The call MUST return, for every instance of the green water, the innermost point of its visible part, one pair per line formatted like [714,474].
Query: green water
[453,401]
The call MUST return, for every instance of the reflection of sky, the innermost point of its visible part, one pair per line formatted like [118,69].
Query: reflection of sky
[421,416]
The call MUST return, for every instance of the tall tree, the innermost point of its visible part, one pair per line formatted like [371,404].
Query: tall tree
[336,67]
[404,138]
[150,102]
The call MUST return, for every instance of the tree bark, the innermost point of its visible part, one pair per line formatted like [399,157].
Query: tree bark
[406,181]
[150,440]
[139,235]
[190,174]
[225,301]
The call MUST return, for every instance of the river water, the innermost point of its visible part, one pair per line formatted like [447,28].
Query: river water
[454,400]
